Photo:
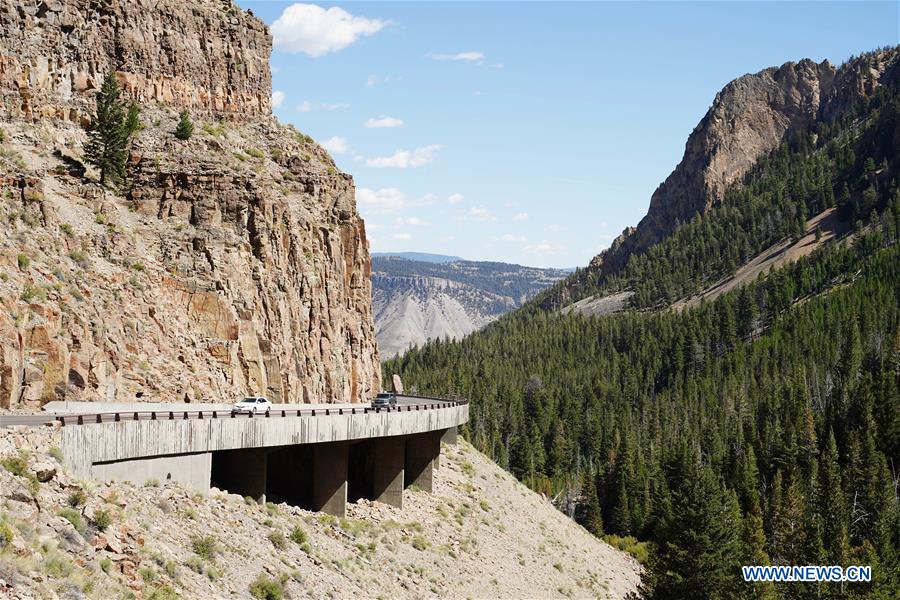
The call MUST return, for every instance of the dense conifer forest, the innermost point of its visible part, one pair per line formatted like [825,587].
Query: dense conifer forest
[760,428]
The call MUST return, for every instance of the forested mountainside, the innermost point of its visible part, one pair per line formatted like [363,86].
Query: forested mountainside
[761,427]
[415,301]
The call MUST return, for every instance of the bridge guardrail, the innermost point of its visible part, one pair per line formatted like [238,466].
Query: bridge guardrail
[171,415]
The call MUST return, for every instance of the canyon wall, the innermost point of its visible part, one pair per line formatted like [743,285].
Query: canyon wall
[231,263]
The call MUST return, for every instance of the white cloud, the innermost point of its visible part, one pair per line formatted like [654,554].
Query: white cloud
[313,30]
[412,221]
[277,98]
[463,56]
[402,236]
[307,106]
[521,217]
[384,200]
[455,198]
[543,248]
[402,159]
[383,122]
[335,145]
[508,237]
[480,213]
[373,80]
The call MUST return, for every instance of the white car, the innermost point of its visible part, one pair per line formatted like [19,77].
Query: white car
[252,405]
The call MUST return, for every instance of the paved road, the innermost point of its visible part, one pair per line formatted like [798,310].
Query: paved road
[35,420]
[143,414]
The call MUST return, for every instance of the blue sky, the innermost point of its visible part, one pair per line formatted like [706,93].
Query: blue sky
[528,132]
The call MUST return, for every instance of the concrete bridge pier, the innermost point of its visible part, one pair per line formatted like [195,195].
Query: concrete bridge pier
[420,455]
[329,476]
[448,436]
[388,466]
[243,472]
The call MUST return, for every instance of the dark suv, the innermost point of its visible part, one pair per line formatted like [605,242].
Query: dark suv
[384,399]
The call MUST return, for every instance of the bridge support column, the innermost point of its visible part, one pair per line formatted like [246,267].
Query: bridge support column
[420,461]
[330,478]
[242,472]
[449,436]
[388,462]
[436,440]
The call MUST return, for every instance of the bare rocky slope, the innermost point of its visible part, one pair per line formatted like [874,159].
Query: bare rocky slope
[748,118]
[481,534]
[231,263]
[416,301]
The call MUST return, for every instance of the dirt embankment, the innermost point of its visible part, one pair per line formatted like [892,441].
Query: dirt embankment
[481,534]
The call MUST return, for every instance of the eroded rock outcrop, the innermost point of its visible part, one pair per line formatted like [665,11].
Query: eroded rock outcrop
[232,263]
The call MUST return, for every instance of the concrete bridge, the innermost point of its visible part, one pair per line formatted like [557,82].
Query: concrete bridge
[315,458]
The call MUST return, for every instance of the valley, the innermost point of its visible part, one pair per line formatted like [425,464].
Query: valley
[416,301]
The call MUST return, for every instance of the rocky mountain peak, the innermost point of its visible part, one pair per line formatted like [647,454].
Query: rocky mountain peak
[749,117]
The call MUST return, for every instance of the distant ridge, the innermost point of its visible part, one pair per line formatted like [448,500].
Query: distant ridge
[415,301]
[440,259]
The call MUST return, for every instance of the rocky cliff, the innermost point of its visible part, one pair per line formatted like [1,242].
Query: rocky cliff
[208,55]
[231,263]
[750,117]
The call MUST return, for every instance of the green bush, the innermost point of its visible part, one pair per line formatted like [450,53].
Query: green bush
[102,519]
[298,535]
[164,592]
[266,588]
[76,498]
[56,453]
[6,533]
[629,544]
[194,564]
[56,565]
[205,547]
[278,540]
[15,465]
[74,517]
[23,261]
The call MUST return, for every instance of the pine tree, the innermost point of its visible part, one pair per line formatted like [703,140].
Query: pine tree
[133,120]
[109,133]
[699,550]
[833,506]
[185,128]
[591,518]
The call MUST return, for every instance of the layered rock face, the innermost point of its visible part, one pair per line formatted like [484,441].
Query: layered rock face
[750,117]
[204,54]
[233,263]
